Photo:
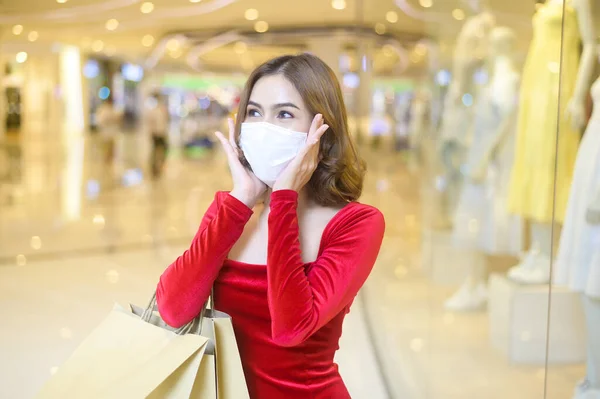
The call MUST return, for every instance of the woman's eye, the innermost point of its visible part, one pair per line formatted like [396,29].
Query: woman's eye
[253,113]
[285,115]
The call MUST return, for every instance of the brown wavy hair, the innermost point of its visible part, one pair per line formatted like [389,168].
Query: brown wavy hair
[339,176]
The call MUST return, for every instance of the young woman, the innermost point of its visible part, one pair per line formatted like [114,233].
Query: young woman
[289,247]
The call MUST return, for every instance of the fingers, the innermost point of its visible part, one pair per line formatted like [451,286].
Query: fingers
[316,136]
[312,144]
[320,132]
[316,123]
[232,142]
[225,144]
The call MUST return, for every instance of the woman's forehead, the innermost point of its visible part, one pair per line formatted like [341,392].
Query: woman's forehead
[275,89]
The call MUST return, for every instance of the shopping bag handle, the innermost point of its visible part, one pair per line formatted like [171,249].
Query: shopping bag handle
[187,328]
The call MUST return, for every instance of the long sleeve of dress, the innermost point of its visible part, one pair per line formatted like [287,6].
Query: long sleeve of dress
[303,298]
[185,285]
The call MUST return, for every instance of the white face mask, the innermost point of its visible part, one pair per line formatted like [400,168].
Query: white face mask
[269,148]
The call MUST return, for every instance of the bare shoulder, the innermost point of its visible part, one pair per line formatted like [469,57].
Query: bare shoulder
[358,214]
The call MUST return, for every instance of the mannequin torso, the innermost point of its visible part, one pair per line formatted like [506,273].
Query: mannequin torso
[470,48]
[580,240]
[578,262]
[499,102]
[554,65]
[481,223]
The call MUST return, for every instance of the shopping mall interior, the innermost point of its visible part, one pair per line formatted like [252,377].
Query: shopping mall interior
[475,118]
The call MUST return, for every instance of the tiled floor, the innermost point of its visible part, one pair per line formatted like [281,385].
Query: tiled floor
[74,239]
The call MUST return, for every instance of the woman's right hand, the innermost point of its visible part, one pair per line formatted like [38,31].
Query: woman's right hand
[246,186]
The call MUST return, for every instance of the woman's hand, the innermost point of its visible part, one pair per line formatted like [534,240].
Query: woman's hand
[299,171]
[246,186]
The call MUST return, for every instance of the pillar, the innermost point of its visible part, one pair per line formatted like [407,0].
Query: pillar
[364,92]
[329,49]
[71,87]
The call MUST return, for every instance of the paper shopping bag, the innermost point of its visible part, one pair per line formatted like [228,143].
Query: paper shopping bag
[125,357]
[221,374]
[231,380]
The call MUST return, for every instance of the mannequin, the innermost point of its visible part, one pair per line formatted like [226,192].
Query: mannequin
[534,193]
[457,117]
[481,224]
[578,261]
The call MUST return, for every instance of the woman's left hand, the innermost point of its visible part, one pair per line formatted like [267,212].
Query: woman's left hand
[299,171]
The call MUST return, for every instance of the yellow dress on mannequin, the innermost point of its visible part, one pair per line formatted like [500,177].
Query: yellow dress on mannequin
[532,183]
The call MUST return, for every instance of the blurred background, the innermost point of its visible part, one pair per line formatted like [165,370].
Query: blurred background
[87,217]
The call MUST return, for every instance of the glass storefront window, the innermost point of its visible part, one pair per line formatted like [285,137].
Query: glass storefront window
[503,298]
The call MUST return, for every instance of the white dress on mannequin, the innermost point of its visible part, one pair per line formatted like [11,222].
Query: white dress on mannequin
[578,261]
[482,222]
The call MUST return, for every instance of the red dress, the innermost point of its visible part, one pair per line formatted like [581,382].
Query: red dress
[287,315]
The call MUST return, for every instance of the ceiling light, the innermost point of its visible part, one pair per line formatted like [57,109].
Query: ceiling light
[17,29]
[33,36]
[61,1]
[195,1]
[21,260]
[240,47]
[147,7]
[98,45]
[338,4]
[173,45]
[458,14]
[261,26]
[380,28]
[147,40]
[112,24]
[21,57]
[391,17]
[176,53]
[426,3]
[36,242]
[388,50]
[421,49]
[251,14]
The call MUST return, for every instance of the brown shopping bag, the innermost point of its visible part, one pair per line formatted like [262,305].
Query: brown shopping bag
[220,375]
[126,357]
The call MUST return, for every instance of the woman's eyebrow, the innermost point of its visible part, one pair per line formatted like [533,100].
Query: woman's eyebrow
[275,106]
[283,105]
[257,105]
